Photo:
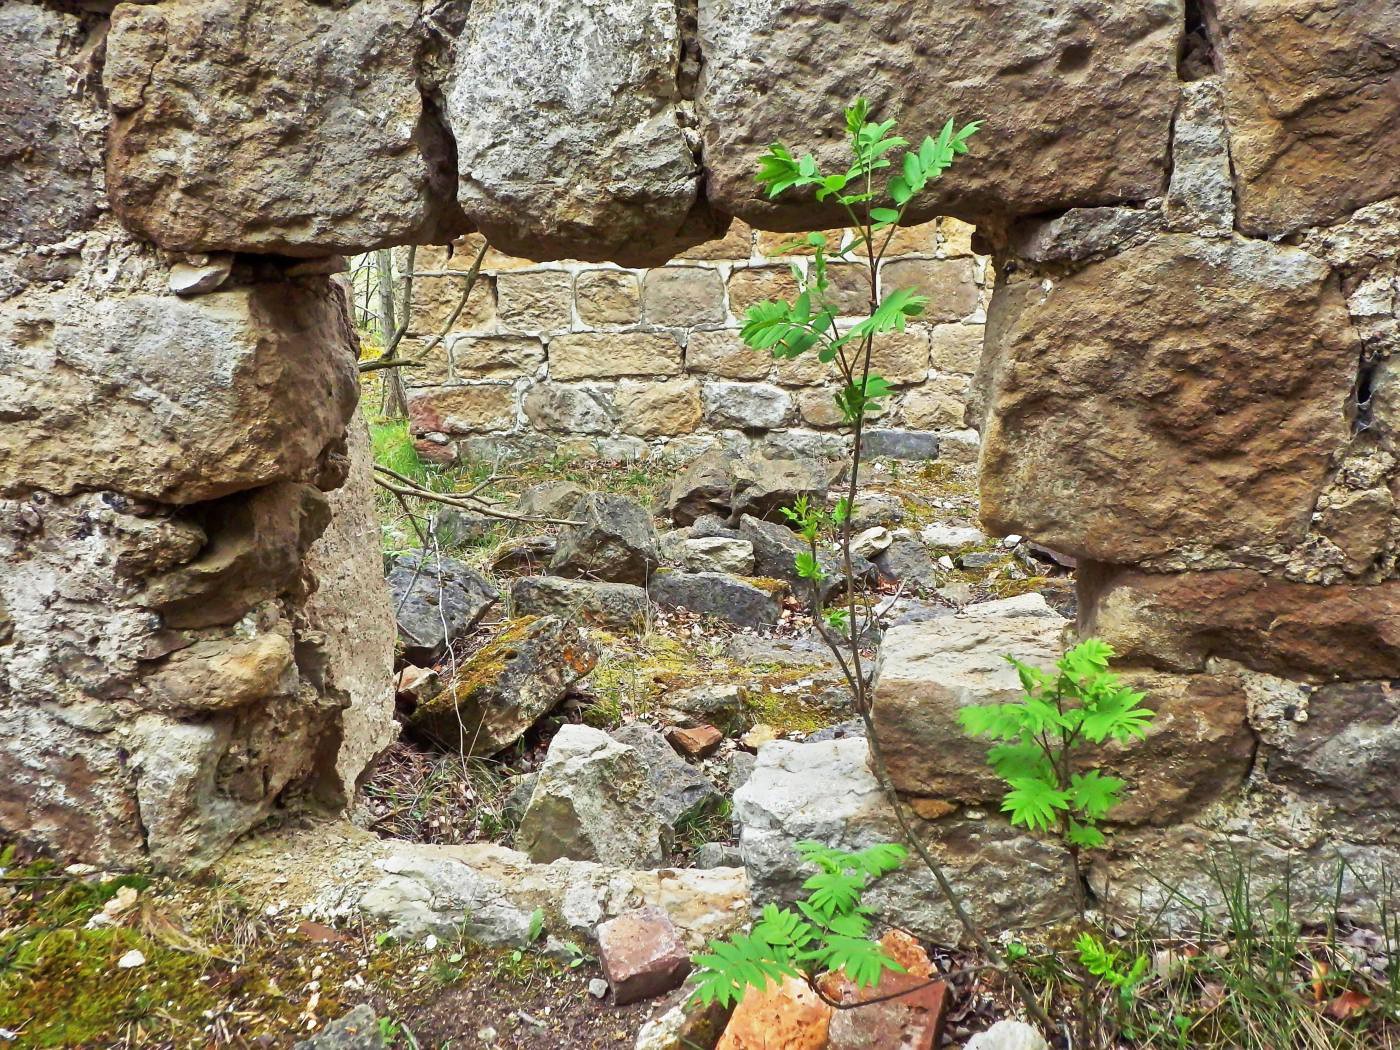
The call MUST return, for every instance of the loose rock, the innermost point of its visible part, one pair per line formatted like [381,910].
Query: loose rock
[594,800]
[741,602]
[357,1030]
[642,955]
[682,791]
[621,607]
[507,685]
[697,742]
[437,600]
[616,542]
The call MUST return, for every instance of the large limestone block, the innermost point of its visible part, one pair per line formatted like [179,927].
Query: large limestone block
[1078,96]
[570,129]
[178,400]
[1183,396]
[46,187]
[1180,621]
[825,792]
[263,126]
[1311,93]
[349,616]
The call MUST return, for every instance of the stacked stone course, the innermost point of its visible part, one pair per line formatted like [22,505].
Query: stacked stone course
[590,359]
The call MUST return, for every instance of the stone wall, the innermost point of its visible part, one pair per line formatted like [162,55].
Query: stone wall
[1189,379]
[588,359]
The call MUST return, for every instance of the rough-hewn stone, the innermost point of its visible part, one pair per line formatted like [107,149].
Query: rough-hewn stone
[615,177]
[46,172]
[593,801]
[251,125]
[596,355]
[1078,100]
[611,606]
[606,297]
[1201,197]
[1183,395]
[682,295]
[1180,621]
[207,387]
[746,406]
[506,686]
[1310,97]
[615,541]
[1008,879]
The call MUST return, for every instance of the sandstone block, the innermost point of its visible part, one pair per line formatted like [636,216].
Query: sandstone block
[461,409]
[901,357]
[913,1020]
[736,243]
[771,245]
[621,181]
[1309,97]
[536,301]
[295,129]
[1179,621]
[597,355]
[818,408]
[950,284]
[954,237]
[750,285]
[435,299]
[496,357]
[919,239]
[725,354]
[746,406]
[1078,103]
[938,405]
[804,370]
[658,409]
[956,348]
[570,408]
[642,955]
[718,554]
[607,297]
[680,296]
[1248,356]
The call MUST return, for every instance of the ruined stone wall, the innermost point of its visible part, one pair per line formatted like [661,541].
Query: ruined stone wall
[584,359]
[1189,380]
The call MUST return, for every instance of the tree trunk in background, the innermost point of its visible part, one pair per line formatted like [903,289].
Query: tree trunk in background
[393,401]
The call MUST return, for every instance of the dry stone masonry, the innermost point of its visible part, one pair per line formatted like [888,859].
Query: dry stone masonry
[1189,380]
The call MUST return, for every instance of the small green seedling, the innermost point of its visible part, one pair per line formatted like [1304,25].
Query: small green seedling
[829,930]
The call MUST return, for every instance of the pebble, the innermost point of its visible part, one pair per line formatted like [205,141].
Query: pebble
[598,988]
[131,960]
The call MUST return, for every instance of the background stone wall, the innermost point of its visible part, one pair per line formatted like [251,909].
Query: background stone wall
[586,358]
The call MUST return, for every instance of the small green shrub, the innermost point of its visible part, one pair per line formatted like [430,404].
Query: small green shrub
[1041,737]
[829,930]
